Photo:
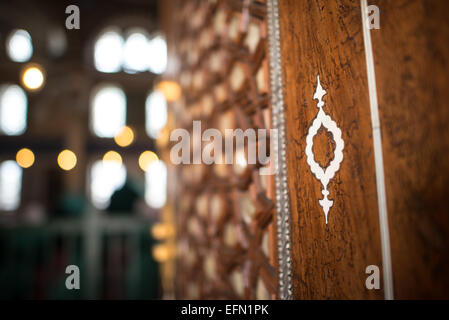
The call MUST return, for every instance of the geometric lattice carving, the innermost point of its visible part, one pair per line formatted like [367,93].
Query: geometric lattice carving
[225,213]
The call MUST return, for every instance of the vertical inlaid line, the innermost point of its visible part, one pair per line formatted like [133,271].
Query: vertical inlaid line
[378,157]
[278,122]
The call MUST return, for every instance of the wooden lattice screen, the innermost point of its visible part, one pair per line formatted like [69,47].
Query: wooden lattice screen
[224,213]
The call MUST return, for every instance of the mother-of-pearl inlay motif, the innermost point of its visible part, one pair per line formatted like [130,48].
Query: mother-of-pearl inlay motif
[324,174]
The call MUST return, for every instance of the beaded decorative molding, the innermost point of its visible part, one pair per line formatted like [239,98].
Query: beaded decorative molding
[278,122]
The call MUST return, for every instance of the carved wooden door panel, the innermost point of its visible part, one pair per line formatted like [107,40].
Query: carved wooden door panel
[383,147]
[361,150]
[325,39]
[224,212]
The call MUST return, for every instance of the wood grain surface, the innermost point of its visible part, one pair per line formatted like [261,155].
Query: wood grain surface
[329,261]
[411,56]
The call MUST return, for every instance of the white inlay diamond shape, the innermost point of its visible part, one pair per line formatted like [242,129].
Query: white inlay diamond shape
[324,174]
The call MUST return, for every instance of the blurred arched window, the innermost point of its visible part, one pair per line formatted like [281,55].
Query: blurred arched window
[158,55]
[156,184]
[105,178]
[108,51]
[136,55]
[156,113]
[19,46]
[10,185]
[108,111]
[13,110]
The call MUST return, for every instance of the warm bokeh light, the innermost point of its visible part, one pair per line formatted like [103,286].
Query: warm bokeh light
[112,156]
[33,78]
[67,160]
[161,231]
[170,89]
[25,158]
[146,158]
[163,252]
[125,137]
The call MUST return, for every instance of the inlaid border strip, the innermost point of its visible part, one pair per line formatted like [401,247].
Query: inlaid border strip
[378,157]
[278,122]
